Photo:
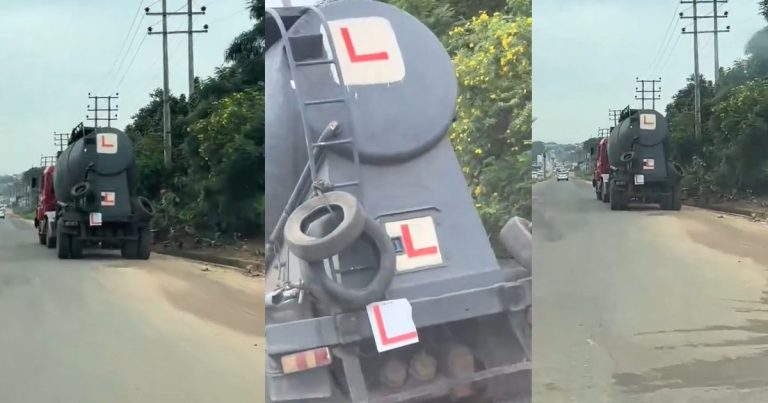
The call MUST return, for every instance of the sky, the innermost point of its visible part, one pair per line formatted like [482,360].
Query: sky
[588,53]
[54,52]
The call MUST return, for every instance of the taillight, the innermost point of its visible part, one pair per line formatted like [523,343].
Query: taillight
[306,360]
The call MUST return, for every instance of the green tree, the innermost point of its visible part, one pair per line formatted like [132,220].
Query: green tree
[492,132]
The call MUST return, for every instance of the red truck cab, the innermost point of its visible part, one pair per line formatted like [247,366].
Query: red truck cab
[45,204]
[601,171]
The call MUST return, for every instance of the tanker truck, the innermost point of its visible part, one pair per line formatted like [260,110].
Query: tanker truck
[381,283]
[641,166]
[89,198]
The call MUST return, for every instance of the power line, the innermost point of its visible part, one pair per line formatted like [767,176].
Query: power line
[131,63]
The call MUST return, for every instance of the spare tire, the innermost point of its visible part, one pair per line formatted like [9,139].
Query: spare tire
[143,209]
[80,190]
[325,288]
[627,156]
[313,249]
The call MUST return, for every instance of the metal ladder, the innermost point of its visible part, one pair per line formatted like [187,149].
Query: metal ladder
[304,104]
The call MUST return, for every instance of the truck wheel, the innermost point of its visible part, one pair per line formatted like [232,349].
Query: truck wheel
[50,237]
[143,209]
[142,251]
[63,242]
[76,248]
[606,196]
[129,249]
[41,237]
[599,191]
[677,199]
[615,199]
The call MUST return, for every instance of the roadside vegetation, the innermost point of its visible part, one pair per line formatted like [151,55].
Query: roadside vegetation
[728,161]
[491,51]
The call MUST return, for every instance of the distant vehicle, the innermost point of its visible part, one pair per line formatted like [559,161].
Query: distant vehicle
[640,161]
[562,175]
[89,197]
[2,212]
[601,172]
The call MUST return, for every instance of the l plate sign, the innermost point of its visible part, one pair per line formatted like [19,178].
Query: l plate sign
[647,121]
[367,50]
[417,241]
[106,143]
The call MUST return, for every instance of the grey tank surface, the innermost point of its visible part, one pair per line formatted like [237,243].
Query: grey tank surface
[380,88]
[644,132]
[106,156]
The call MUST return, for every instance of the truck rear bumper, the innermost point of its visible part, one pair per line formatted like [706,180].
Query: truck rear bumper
[343,334]
[351,327]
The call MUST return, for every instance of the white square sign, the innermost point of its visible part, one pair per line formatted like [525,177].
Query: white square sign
[367,50]
[108,199]
[639,179]
[95,219]
[647,121]
[392,324]
[418,240]
[106,143]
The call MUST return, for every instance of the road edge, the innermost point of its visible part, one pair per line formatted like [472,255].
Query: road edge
[248,267]
[713,207]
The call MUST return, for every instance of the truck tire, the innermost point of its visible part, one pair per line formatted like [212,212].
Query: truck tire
[76,248]
[599,191]
[677,199]
[41,237]
[50,237]
[143,246]
[143,209]
[615,199]
[606,194]
[129,249]
[324,287]
[347,231]
[63,242]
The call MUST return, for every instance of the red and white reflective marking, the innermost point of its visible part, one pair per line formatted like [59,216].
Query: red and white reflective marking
[649,164]
[367,50]
[647,121]
[306,360]
[392,324]
[419,243]
[108,199]
[106,143]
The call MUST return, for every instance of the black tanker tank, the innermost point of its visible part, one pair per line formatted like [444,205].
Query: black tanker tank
[95,184]
[369,92]
[104,159]
[639,152]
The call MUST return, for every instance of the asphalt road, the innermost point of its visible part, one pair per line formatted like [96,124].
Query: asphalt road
[646,305]
[105,329]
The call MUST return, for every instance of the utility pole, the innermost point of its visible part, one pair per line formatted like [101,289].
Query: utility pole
[642,91]
[60,140]
[109,109]
[715,31]
[47,160]
[697,77]
[613,115]
[167,143]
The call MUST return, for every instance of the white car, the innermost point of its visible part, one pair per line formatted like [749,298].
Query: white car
[562,176]
[2,213]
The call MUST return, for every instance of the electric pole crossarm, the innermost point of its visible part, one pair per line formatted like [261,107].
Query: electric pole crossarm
[178,13]
[196,31]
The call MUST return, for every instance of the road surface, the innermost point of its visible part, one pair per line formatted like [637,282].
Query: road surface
[646,305]
[105,329]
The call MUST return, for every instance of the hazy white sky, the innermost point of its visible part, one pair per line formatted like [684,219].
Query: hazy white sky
[54,52]
[587,53]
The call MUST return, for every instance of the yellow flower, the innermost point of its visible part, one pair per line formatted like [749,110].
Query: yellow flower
[478,151]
